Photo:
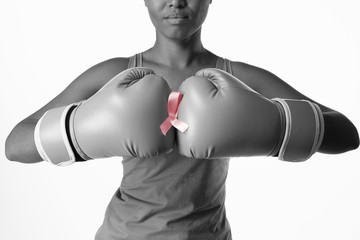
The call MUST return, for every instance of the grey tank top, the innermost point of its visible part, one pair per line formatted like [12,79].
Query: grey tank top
[169,197]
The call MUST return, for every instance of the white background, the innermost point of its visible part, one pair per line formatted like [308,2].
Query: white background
[311,44]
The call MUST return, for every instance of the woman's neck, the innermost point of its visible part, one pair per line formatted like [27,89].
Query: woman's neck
[178,53]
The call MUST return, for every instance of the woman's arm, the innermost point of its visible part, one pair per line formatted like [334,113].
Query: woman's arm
[20,144]
[340,133]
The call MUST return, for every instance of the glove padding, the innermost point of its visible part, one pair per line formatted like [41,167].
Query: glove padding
[226,118]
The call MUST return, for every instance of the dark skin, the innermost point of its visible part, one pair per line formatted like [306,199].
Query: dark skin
[176,55]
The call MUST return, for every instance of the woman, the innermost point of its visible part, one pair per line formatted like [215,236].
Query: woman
[179,198]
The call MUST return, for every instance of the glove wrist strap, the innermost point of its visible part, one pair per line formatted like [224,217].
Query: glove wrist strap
[51,137]
[275,151]
[72,136]
[304,129]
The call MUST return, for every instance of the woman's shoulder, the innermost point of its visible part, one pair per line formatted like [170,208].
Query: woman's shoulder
[109,66]
[256,77]
[100,73]
[92,79]
[115,64]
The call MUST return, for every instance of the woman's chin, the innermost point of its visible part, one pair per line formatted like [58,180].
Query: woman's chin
[180,34]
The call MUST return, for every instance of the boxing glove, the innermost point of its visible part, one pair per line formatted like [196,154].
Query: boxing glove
[121,119]
[226,118]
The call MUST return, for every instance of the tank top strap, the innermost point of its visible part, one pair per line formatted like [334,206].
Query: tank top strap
[135,61]
[224,64]
[221,63]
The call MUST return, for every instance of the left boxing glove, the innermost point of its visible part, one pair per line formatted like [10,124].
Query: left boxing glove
[121,119]
[226,118]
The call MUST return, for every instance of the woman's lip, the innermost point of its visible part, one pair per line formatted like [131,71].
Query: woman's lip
[177,21]
[176,16]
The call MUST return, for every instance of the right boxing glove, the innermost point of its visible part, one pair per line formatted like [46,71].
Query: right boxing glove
[226,118]
[121,119]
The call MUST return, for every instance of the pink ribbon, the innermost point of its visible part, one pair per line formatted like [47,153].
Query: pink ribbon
[173,107]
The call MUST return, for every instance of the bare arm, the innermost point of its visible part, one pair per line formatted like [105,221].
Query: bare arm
[340,133]
[20,145]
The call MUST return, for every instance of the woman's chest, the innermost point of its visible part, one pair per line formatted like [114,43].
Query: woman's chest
[175,77]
